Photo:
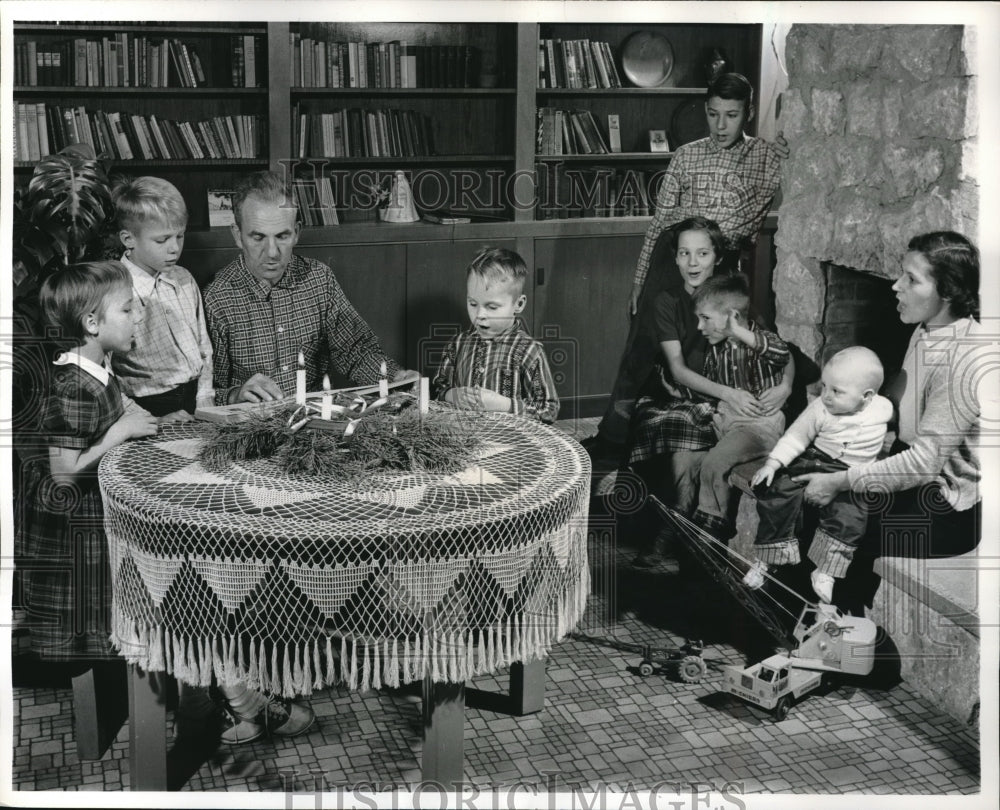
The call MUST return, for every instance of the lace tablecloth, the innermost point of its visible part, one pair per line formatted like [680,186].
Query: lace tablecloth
[296,583]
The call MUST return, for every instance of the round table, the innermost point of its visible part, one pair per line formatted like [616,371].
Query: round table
[292,584]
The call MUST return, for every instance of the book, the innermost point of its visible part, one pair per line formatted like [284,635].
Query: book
[614,133]
[442,217]
[220,208]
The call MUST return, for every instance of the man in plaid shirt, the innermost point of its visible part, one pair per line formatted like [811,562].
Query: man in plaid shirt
[270,305]
[265,309]
[728,177]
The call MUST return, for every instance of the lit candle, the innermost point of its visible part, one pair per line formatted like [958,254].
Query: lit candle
[300,381]
[327,403]
[424,395]
[383,383]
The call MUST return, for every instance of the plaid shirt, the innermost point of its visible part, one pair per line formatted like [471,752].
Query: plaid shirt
[171,342]
[748,368]
[732,186]
[665,425]
[513,364]
[260,329]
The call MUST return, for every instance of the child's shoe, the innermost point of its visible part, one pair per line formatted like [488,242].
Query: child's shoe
[756,576]
[823,586]
[279,717]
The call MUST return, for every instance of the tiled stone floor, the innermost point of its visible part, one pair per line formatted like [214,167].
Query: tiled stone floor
[602,723]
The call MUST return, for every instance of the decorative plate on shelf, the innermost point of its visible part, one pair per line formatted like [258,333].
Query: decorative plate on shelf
[647,59]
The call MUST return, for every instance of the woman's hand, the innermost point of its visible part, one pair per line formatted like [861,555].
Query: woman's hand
[821,488]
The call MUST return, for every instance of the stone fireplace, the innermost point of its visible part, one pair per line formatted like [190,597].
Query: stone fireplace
[881,124]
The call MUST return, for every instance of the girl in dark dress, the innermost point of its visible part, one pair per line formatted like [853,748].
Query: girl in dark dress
[68,577]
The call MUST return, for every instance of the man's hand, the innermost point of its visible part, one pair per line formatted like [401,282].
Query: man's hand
[765,475]
[175,418]
[781,146]
[259,388]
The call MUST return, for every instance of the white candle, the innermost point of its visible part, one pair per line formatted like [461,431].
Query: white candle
[383,383]
[327,404]
[424,395]
[300,381]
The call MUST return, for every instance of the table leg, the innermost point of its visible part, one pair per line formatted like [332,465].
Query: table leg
[444,733]
[147,737]
[527,687]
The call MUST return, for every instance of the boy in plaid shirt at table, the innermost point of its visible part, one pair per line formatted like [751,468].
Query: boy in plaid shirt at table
[751,360]
[169,370]
[495,365]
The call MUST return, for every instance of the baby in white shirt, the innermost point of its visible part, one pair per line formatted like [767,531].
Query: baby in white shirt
[843,427]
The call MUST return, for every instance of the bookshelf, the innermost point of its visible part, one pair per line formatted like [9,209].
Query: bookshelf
[624,182]
[430,99]
[188,102]
[406,278]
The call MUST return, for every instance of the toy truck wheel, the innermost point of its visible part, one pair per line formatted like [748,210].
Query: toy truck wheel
[691,669]
[646,669]
[780,710]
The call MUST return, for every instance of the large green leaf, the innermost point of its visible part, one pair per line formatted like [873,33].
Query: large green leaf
[69,201]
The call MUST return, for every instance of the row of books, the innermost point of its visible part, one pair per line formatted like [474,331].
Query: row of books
[576,64]
[43,129]
[594,191]
[128,60]
[363,133]
[394,64]
[573,132]
[315,201]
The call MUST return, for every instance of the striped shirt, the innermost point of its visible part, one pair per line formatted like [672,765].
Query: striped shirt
[171,341]
[260,329]
[732,186]
[748,368]
[513,364]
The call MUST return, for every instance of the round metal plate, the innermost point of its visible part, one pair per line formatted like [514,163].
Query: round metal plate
[647,59]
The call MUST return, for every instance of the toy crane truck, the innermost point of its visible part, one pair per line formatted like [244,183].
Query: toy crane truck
[833,643]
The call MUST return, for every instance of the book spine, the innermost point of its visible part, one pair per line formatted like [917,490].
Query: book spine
[250,61]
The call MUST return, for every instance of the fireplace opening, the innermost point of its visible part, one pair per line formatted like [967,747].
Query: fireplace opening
[860,310]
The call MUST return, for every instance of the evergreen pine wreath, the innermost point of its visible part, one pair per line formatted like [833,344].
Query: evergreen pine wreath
[382,439]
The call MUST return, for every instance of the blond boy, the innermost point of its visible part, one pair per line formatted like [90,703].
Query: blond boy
[169,371]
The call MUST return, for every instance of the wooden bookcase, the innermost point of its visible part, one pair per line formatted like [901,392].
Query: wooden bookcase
[407,280]
[216,96]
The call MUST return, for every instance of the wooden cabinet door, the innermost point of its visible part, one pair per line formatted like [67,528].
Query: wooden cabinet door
[373,278]
[581,292]
[435,297]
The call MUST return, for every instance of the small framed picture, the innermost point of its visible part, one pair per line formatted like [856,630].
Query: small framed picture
[658,141]
[220,208]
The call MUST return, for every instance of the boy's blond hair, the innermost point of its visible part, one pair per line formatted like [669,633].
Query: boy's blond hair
[863,363]
[148,199]
[497,265]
